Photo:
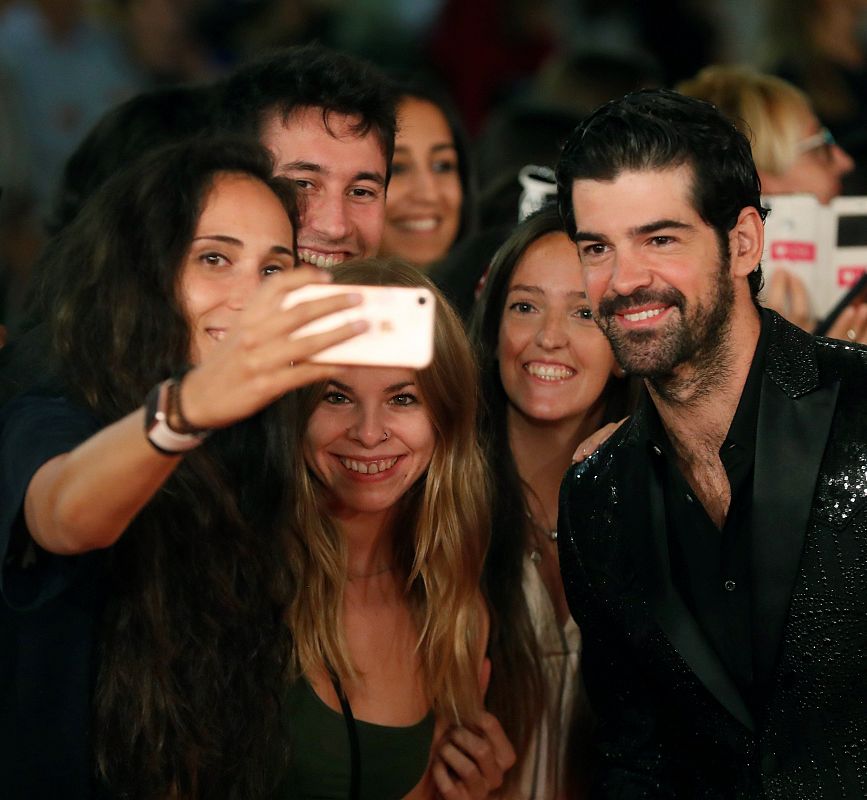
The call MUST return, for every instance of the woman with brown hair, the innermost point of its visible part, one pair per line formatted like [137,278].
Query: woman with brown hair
[549,382]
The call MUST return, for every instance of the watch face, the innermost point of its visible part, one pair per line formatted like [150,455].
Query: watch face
[157,429]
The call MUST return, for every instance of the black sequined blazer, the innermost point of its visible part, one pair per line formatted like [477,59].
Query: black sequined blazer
[671,723]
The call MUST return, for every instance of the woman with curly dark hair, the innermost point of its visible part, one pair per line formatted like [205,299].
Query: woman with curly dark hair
[144,589]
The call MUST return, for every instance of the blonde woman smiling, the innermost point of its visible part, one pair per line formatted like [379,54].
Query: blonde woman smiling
[386,548]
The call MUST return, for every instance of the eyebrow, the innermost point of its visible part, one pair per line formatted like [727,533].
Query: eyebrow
[638,230]
[524,287]
[277,248]
[310,166]
[395,387]
[434,148]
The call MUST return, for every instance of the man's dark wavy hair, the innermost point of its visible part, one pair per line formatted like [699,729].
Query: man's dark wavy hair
[310,76]
[660,129]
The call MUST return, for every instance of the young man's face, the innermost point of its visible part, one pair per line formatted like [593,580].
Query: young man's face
[659,285]
[341,180]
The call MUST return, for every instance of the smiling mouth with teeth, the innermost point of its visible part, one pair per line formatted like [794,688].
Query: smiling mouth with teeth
[641,315]
[319,260]
[549,372]
[367,467]
[417,225]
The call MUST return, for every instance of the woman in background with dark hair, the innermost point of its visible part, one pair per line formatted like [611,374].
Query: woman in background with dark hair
[431,195]
[143,643]
[549,381]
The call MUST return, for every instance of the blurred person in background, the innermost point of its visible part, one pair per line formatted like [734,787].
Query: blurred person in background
[429,206]
[67,69]
[793,153]
[130,130]
[60,69]
[162,39]
[819,46]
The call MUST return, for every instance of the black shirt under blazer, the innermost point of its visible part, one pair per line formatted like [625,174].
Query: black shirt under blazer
[671,722]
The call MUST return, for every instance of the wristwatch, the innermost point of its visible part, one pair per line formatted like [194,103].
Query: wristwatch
[165,426]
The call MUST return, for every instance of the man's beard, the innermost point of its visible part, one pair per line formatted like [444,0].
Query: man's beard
[696,336]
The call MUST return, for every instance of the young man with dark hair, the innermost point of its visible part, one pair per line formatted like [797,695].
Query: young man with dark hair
[329,120]
[713,549]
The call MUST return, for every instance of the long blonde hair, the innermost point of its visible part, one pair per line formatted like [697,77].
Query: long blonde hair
[447,512]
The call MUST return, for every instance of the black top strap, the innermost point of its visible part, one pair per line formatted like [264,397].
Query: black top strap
[352,732]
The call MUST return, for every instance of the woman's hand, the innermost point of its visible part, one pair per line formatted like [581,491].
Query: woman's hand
[67,507]
[259,361]
[787,295]
[593,442]
[470,763]
[851,325]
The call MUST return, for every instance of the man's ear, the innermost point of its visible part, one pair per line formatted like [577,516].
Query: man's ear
[746,241]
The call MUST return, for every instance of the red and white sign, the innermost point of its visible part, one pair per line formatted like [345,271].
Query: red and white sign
[848,276]
[793,251]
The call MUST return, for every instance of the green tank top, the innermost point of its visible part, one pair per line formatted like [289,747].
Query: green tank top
[393,760]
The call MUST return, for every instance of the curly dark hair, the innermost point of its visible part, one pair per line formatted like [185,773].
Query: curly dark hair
[658,129]
[194,647]
[310,76]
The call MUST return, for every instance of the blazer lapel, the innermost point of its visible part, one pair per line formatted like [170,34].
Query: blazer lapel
[790,442]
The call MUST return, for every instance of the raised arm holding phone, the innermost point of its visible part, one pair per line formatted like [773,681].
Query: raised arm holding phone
[142,569]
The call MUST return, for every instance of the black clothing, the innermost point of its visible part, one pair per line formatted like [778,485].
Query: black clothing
[711,567]
[25,365]
[50,610]
[672,719]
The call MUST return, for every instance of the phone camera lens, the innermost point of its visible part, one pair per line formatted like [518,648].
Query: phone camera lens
[422,301]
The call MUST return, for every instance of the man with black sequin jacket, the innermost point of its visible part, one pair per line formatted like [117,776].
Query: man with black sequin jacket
[714,550]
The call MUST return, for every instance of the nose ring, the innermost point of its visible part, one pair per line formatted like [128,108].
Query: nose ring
[385,435]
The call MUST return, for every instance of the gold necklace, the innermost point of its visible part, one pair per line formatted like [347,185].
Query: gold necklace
[548,533]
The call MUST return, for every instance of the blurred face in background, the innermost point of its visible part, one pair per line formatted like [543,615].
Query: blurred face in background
[818,166]
[423,206]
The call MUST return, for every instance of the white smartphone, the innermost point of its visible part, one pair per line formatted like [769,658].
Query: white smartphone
[401,325]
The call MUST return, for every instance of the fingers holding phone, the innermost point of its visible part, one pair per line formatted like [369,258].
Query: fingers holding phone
[255,358]
[400,325]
